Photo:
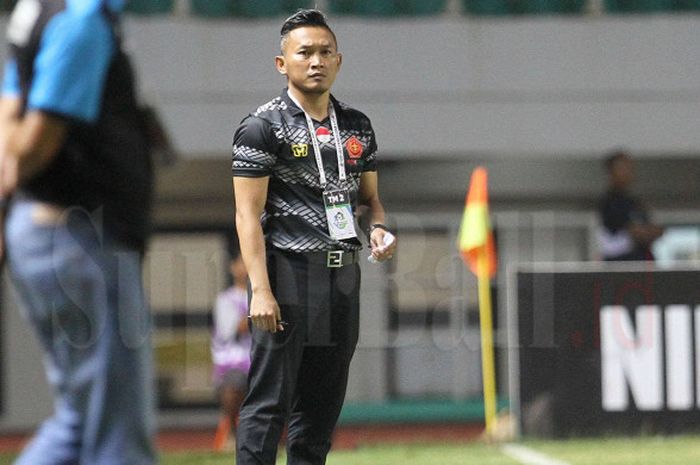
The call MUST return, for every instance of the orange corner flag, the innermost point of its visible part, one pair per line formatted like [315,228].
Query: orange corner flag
[475,235]
[477,249]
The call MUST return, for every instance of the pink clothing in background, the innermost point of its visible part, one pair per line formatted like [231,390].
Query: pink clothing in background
[229,349]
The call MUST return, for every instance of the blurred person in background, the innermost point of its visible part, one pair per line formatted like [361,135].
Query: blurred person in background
[75,175]
[230,351]
[298,162]
[627,232]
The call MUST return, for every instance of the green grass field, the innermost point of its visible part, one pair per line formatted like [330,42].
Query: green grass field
[683,450]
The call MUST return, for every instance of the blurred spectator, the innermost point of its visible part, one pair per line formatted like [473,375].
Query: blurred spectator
[74,158]
[230,351]
[627,232]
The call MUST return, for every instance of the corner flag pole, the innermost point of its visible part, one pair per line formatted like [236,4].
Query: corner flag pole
[487,356]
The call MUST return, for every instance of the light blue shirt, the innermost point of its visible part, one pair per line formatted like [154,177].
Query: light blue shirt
[70,68]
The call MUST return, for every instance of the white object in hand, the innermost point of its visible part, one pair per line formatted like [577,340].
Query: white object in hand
[388,240]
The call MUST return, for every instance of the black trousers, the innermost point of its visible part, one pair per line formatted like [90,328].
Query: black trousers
[299,376]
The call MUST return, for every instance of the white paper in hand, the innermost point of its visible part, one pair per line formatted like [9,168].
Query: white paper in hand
[388,240]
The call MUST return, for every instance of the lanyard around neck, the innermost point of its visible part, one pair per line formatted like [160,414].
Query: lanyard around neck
[317,146]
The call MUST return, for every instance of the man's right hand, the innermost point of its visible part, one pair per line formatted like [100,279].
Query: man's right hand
[265,312]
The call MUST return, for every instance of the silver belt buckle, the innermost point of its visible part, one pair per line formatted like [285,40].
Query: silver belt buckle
[335,259]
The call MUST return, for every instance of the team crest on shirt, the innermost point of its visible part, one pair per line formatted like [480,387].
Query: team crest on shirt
[323,135]
[300,150]
[354,147]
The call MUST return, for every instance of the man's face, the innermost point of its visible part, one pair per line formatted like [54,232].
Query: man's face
[310,60]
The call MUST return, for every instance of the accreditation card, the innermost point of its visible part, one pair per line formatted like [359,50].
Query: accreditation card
[341,224]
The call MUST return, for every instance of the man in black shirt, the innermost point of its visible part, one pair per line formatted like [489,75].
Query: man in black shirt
[301,164]
[627,231]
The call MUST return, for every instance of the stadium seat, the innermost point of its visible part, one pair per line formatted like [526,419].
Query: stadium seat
[213,8]
[424,7]
[687,5]
[290,6]
[257,8]
[487,7]
[149,7]
[340,6]
[504,7]
[246,8]
[638,6]
[546,6]
[365,7]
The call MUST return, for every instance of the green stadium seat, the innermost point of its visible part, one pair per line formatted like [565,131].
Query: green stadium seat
[290,6]
[366,7]
[686,5]
[246,8]
[257,8]
[487,7]
[424,7]
[149,7]
[213,8]
[638,6]
[506,7]
[340,6]
[547,6]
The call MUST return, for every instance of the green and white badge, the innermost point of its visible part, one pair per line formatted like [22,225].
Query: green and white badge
[341,223]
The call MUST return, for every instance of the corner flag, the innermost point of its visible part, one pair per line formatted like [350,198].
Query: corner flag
[477,249]
[475,235]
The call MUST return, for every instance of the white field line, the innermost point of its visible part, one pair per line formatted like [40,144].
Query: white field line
[527,456]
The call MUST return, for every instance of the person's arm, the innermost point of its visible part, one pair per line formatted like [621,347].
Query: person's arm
[645,234]
[250,194]
[10,106]
[69,73]
[10,102]
[617,215]
[369,197]
[29,145]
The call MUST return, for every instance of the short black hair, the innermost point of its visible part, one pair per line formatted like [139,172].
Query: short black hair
[305,18]
[615,156]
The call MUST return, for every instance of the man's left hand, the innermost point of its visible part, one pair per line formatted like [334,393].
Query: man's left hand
[380,251]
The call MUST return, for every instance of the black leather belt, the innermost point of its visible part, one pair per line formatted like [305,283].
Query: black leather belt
[333,258]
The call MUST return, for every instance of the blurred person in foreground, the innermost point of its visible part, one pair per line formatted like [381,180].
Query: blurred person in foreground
[302,163]
[230,351]
[627,232]
[74,159]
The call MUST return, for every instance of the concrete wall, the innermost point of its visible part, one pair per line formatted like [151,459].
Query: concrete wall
[446,86]
[555,86]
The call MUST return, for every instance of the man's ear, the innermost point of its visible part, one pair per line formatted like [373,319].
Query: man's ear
[340,59]
[280,64]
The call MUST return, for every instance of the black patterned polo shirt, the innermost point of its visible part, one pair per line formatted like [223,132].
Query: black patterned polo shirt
[274,141]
